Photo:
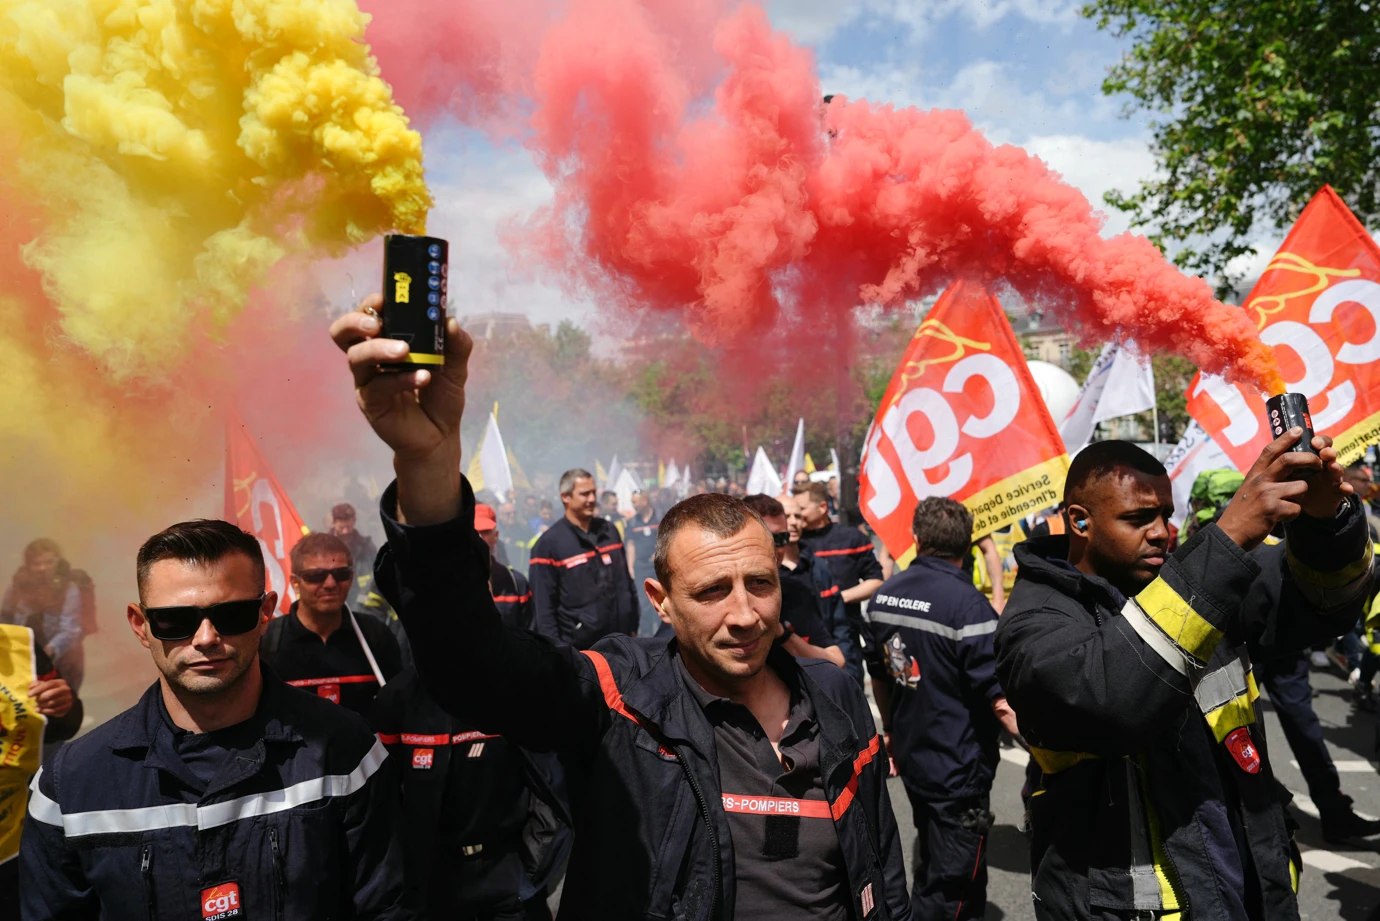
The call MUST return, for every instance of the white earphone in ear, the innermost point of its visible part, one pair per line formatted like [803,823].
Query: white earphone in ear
[1081,523]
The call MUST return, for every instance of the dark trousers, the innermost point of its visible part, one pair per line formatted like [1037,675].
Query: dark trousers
[1286,681]
[950,857]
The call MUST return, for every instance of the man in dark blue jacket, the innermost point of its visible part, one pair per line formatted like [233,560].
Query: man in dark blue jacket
[223,793]
[582,590]
[942,708]
[712,775]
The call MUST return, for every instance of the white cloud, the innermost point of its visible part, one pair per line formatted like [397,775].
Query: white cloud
[811,22]
[816,21]
[1096,167]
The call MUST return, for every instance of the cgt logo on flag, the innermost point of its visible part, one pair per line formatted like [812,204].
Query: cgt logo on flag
[961,418]
[1318,304]
[221,901]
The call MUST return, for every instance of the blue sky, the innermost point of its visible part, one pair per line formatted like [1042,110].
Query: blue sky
[1028,72]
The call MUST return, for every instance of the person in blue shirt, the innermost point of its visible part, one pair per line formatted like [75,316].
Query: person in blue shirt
[942,709]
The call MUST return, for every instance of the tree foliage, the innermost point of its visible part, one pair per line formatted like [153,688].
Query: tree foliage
[1255,106]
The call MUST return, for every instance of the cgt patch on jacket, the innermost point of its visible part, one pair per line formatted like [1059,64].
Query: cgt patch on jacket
[900,664]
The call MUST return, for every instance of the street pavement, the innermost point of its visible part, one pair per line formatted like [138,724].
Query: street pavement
[1339,881]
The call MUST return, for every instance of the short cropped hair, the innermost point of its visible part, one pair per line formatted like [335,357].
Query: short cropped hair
[570,476]
[606,493]
[765,506]
[818,492]
[719,514]
[40,546]
[943,527]
[343,512]
[318,542]
[1103,457]
[201,543]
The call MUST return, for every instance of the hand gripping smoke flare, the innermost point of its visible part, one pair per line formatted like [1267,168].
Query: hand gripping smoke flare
[163,156]
[770,207]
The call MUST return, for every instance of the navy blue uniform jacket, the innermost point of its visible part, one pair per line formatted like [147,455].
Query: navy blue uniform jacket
[938,629]
[651,835]
[581,588]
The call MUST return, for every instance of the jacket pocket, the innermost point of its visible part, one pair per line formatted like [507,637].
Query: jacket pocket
[279,877]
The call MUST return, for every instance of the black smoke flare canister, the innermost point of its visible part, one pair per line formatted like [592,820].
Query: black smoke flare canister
[1287,411]
[415,275]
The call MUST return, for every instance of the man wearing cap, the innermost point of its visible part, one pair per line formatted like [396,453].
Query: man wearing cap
[223,793]
[512,596]
[321,646]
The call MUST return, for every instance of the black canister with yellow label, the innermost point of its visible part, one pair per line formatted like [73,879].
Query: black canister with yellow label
[415,276]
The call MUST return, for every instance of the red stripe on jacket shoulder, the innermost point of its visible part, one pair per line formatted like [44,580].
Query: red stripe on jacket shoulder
[839,806]
[613,698]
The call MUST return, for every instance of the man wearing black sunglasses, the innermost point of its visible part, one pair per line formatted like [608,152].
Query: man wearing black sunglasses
[222,789]
[321,646]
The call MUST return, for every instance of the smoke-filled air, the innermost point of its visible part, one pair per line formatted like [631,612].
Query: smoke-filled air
[769,200]
[159,159]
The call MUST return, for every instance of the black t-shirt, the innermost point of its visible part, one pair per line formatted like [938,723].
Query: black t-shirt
[641,535]
[787,861]
[337,668]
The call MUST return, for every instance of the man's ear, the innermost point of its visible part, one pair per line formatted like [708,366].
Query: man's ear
[1079,517]
[138,623]
[659,597]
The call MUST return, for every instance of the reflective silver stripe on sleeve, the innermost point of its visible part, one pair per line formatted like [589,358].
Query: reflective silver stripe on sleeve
[1155,638]
[40,807]
[1145,885]
[930,626]
[1224,685]
[189,815]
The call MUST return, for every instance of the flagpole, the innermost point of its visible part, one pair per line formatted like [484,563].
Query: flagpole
[1155,411]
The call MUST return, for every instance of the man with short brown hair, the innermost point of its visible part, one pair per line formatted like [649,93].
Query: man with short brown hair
[222,790]
[712,776]
[320,645]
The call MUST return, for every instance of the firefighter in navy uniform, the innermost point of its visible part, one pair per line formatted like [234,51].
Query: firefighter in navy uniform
[321,646]
[639,534]
[512,594]
[850,557]
[581,588]
[467,797]
[1130,669]
[942,708]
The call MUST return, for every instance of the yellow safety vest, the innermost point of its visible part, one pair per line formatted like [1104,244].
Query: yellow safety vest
[21,733]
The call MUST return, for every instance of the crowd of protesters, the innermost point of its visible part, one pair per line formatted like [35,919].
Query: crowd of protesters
[661,709]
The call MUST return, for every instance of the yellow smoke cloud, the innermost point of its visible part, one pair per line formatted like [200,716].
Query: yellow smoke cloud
[178,149]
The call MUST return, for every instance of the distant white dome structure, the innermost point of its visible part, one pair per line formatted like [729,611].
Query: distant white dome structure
[1057,386]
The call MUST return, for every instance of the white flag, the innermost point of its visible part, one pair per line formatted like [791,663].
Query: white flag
[1196,452]
[797,461]
[626,484]
[493,461]
[615,469]
[762,478]
[834,464]
[672,475]
[1120,383]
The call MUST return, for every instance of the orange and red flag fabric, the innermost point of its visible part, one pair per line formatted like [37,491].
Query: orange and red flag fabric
[1318,304]
[962,418]
[256,501]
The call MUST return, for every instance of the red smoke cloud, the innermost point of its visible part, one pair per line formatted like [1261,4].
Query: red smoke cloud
[768,201]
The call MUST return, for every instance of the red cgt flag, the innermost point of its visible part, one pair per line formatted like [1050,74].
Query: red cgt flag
[255,500]
[1318,304]
[962,418]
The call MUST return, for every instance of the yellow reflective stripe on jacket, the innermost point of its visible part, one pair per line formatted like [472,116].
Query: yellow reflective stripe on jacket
[1176,617]
[1169,886]
[1227,696]
[1330,579]
[1052,762]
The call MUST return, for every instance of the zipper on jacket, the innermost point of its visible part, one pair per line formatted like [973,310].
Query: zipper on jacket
[279,886]
[146,871]
[717,895]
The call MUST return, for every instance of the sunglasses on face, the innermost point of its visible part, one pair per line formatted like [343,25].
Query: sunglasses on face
[182,621]
[317,576]
[781,538]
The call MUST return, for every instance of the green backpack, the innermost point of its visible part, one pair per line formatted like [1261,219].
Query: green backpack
[1212,491]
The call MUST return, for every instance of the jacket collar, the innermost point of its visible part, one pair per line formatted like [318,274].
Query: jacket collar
[1044,560]
[662,698]
[141,724]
